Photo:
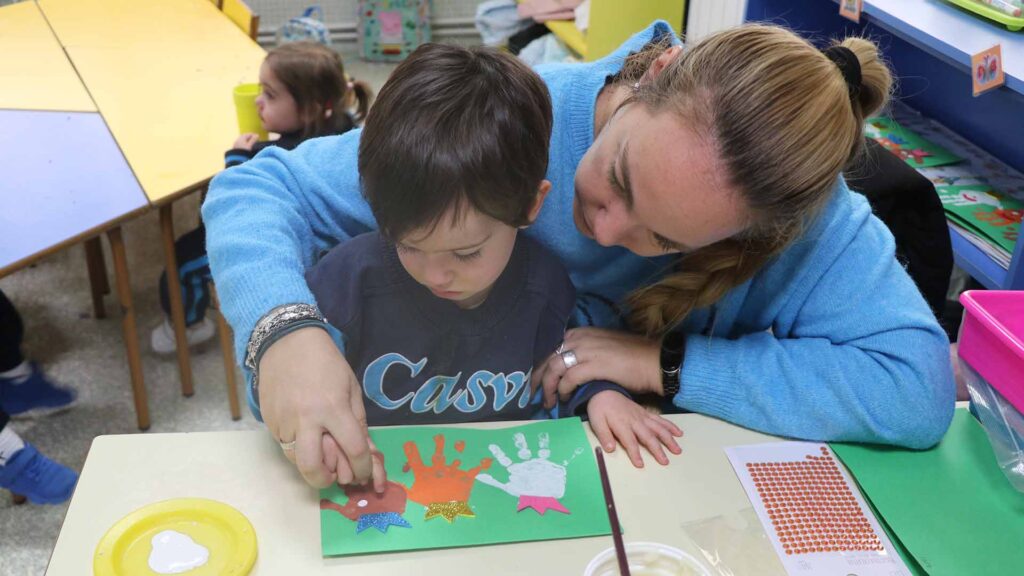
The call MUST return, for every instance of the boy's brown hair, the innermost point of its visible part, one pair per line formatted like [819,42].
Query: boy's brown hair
[455,127]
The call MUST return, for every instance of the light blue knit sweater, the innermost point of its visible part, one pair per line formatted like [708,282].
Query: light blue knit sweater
[831,341]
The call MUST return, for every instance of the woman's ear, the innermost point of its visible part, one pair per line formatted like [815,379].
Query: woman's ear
[661,62]
[538,200]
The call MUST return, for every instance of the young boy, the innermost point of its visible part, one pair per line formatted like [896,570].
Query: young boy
[447,308]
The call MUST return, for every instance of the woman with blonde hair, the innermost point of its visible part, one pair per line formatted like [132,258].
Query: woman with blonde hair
[696,195]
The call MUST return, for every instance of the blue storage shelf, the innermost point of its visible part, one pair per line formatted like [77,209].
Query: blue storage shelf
[951,33]
[929,44]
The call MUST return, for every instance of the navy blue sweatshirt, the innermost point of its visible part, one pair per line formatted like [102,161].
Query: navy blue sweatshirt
[422,359]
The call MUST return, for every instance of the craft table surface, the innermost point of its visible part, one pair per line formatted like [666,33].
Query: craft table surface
[63,176]
[248,471]
[34,72]
[161,73]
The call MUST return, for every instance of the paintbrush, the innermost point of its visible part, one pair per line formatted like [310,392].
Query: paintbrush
[613,518]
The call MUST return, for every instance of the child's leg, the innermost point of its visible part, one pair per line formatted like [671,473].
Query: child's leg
[11,333]
[24,389]
[27,472]
[193,275]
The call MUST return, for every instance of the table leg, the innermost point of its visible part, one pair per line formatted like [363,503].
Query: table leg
[174,293]
[128,327]
[97,275]
[228,352]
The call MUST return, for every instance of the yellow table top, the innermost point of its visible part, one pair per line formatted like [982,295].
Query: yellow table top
[34,72]
[161,73]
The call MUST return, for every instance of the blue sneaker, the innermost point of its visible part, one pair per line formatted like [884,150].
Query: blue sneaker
[35,396]
[43,481]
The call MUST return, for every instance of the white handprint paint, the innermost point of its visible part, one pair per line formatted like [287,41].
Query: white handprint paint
[536,481]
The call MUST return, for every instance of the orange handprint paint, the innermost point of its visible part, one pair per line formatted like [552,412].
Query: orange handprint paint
[443,488]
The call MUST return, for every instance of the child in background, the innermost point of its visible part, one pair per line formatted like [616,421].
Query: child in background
[304,94]
[447,308]
[24,391]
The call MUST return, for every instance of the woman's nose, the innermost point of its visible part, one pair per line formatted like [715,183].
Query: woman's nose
[611,224]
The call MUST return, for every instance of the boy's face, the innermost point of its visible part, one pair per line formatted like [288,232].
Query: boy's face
[459,261]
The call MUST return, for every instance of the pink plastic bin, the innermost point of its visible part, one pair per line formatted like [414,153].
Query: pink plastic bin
[992,340]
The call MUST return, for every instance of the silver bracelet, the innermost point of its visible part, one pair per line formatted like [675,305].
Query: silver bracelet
[270,325]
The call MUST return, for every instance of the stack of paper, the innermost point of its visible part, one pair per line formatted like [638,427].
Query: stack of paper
[950,507]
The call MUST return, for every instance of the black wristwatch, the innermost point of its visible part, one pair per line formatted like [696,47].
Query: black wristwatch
[673,347]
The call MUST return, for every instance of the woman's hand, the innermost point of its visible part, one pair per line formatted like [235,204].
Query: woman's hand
[246,141]
[616,417]
[309,394]
[629,360]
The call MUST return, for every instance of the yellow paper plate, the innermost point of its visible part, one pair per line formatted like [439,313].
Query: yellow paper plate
[228,536]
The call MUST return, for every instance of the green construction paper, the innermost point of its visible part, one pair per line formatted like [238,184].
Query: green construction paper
[950,507]
[914,150]
[981,209]
[496,517]
[908,560]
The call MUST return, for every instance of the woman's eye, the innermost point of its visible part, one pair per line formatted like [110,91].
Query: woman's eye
[665,244]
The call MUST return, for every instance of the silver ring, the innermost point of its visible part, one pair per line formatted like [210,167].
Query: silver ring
[569,359]
[286,446]
[560,348]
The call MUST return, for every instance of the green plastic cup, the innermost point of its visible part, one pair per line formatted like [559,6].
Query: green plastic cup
[245,108]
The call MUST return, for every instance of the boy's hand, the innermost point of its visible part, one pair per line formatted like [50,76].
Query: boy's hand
[616,417]
[246,141]
[309,394]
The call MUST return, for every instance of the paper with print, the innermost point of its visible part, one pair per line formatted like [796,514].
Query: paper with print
[813,513]
[985,212]
[451,487]
[913,149]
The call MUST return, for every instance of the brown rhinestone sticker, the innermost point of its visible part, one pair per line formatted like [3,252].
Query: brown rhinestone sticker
[811,511]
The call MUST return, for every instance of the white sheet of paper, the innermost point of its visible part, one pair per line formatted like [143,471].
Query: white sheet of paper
[807,502]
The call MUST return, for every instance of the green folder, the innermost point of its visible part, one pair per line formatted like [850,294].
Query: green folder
[981,209]
[913,149]
[950,507]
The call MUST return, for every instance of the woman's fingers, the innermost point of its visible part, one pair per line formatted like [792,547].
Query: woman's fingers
[380,475]
[553,372]
[309,457]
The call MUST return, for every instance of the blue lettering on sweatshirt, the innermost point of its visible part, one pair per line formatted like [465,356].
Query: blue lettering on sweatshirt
[441,392]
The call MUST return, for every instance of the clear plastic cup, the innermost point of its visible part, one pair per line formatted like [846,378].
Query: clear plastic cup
[647,559]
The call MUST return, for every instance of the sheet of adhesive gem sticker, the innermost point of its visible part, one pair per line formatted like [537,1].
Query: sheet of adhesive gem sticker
[811,510]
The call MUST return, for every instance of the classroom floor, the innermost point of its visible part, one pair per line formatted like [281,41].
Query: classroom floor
[88,355]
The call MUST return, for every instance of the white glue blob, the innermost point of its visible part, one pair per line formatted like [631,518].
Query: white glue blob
[362,503]
[174,553]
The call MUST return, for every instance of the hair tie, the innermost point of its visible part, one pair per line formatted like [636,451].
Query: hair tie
[849,65]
